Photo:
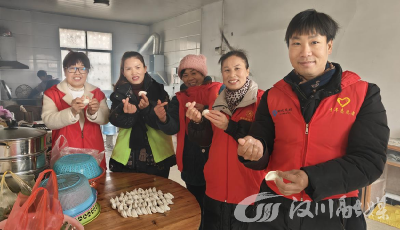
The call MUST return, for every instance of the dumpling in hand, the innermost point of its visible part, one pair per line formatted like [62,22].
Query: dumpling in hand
[86,101]
[142,93]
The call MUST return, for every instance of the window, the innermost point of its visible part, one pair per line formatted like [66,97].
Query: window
[97,46]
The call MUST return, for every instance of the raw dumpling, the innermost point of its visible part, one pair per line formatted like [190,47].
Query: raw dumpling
[142,93]
[205,112]
[271,176]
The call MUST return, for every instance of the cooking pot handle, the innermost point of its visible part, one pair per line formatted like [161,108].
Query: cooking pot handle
[4,144]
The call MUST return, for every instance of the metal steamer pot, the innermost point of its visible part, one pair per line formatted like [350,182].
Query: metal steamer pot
[22,150]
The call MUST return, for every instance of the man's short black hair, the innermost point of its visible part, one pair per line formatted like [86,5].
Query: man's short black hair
[41,73]
[312,22]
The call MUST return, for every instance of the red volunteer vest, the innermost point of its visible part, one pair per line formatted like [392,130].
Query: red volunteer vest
[227,179]
[324,138]
[203,94]
[90,137]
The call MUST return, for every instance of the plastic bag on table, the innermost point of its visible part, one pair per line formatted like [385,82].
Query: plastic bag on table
[61,149]
[60,144]
[14,184]
[7,196]
[39,211]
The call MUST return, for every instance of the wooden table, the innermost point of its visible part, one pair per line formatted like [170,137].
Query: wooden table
[184,213]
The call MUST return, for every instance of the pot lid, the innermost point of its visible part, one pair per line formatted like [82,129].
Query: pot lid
[20,133]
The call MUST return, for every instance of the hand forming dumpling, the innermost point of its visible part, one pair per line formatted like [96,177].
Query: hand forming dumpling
[272,175]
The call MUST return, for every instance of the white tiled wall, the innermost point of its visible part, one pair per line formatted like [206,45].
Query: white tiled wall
[211,37]
[260,30]
[37,42]
[180,36]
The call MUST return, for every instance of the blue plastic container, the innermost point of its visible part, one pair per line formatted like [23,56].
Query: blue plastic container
[74,192]
[80,163]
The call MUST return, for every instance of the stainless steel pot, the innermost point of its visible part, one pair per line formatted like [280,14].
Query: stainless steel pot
[22,150]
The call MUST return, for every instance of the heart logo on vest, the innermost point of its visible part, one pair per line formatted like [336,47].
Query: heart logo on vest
[343,101]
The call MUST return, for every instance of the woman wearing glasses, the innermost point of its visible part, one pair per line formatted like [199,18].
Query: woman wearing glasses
[74,108]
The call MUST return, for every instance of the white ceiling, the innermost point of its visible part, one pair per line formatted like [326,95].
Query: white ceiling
[145,12]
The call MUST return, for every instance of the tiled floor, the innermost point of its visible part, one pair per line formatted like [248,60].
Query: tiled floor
[175,175]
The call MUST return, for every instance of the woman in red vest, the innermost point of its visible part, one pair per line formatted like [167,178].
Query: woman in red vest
[228,181]
[76,109]
[197,86]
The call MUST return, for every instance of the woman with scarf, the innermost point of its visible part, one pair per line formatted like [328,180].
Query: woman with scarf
[133,100]
[228,182]
[197,86]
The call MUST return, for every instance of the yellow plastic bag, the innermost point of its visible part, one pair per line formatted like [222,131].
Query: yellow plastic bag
[7,197]
[386,214]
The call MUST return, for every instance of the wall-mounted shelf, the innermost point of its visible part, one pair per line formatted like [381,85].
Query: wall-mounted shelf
[393,163]
[388,182]
[395,148]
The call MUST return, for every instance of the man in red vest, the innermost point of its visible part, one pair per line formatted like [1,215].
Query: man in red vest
[323,133]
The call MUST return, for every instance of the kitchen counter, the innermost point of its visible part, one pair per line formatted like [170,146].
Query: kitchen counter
[184,213]
[19,115]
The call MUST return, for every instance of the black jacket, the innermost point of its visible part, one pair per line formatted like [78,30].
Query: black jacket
[137,121]
[194,156]
[366,151]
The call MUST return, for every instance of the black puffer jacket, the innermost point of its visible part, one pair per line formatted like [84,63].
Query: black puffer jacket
[137,121]
[362,163]
[194,156]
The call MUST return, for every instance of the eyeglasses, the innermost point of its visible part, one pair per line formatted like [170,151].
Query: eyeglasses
[74,69]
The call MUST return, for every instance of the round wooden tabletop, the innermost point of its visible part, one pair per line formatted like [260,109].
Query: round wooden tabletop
[184,213]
